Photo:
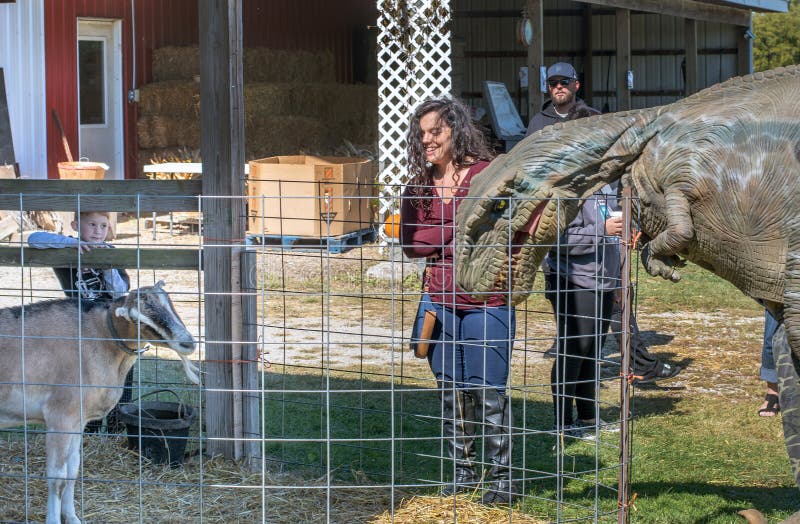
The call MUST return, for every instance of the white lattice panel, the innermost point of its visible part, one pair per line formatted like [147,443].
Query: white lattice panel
[413,65]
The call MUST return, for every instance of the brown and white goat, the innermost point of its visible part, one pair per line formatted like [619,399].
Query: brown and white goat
[64,364]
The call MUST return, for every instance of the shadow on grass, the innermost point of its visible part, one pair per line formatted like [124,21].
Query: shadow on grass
[773,502]
[392,433]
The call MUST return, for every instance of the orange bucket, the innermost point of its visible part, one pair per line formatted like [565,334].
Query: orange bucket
[81,170]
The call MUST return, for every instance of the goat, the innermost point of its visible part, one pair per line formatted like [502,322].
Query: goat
[64,363]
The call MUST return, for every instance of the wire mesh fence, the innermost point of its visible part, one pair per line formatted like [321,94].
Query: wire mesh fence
[349,425]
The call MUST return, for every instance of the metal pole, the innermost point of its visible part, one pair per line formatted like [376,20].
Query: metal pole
[625,364]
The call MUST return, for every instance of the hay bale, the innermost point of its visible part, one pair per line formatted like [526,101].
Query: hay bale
[178,98]
[286,135]
[161,132]
[263,64]
[267,99]
[176,63]
[260,64]
[333,101]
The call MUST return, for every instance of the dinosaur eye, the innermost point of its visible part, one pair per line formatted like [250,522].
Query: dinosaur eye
[500,206]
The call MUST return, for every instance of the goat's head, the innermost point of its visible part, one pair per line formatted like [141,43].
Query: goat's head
[151,309]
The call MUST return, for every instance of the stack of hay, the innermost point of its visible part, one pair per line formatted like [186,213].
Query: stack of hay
[292,105]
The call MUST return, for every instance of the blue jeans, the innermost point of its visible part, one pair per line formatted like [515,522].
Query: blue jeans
[470,347]
[767,371]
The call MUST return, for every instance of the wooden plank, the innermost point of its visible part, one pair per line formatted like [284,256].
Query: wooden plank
[250,354]
[222,150]
[588,63]
[121,257]
[6,141]
[690,37]
[683,9]
[623,25]
[745,49]
[535,56]
[100,195]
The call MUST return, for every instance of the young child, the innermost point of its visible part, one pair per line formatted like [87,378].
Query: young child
[87,283]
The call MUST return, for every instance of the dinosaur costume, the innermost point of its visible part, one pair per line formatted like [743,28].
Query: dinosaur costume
[717,176]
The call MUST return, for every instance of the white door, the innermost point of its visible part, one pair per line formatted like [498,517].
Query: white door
[100,94]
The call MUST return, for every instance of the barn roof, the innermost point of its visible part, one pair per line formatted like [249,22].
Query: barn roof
[780,6]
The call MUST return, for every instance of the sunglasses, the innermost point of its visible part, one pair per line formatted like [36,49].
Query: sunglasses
[564,82]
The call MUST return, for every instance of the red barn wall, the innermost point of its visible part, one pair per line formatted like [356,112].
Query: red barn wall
[281,24]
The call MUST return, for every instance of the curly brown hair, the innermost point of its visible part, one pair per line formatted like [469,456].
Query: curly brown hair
[469,144]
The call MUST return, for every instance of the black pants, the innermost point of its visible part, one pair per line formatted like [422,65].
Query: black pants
[642,360]
[583,317]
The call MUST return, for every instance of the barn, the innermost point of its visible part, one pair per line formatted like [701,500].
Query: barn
[125,80]
[671,49]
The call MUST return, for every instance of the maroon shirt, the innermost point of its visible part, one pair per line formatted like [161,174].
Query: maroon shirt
[429,233]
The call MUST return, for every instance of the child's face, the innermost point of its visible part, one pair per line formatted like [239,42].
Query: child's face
[93,227]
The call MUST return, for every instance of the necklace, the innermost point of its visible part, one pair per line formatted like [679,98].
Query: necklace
[562,115]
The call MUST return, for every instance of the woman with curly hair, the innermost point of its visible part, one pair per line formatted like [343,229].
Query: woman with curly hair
[469,350]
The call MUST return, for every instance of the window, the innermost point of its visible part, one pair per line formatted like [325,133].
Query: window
[91,81]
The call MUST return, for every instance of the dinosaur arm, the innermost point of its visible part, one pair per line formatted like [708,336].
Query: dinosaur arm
[660,255]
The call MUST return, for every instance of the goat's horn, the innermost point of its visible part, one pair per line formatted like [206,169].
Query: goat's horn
[160,284]
[122,312]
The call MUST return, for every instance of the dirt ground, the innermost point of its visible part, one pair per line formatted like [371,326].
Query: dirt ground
[302,325]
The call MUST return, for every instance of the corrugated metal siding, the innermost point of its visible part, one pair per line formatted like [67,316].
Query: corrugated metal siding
[22,60]
[491,51]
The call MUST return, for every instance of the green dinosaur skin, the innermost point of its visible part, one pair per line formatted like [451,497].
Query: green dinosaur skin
[717,176]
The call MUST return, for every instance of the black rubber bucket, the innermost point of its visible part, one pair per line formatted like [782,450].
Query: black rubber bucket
[164,428]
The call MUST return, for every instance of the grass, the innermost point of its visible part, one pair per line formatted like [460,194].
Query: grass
[700,451]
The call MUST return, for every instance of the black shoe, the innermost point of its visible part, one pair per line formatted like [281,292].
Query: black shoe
[589,425]
[661,371]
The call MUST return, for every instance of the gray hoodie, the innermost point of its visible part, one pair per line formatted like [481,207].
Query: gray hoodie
[583,254]
[548,115]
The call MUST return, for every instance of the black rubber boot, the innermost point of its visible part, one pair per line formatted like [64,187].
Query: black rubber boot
[459,433]
[495,410]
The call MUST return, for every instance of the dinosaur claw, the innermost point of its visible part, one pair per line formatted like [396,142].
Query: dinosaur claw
[753,516]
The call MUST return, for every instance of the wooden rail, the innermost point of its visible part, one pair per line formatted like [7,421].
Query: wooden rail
[122,257]
[100,195]
[133,196]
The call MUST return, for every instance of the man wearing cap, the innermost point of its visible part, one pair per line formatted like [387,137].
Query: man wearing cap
[562,84]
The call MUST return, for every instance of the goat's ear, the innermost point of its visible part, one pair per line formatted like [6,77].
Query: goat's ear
[122,312]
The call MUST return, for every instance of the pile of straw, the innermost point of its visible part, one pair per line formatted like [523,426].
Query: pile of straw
[175,155]
[116,487]
[292,105]
[446,510]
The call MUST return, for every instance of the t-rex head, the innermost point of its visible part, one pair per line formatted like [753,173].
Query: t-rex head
[518,206]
